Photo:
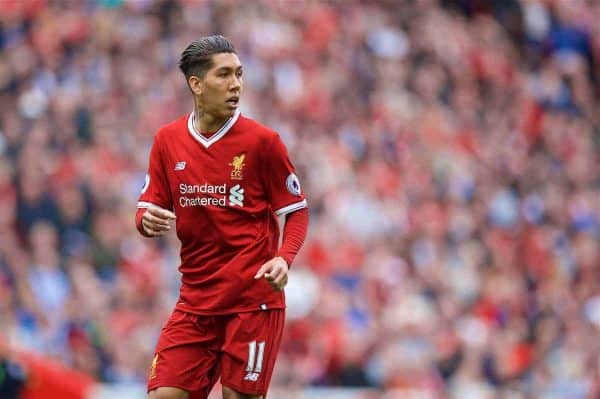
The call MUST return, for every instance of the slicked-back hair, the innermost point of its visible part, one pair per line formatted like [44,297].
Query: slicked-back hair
[196,59]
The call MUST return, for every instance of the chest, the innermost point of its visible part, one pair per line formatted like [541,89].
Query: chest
[230,161]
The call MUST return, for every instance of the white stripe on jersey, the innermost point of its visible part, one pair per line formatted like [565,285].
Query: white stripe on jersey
[215,137]
[291,208]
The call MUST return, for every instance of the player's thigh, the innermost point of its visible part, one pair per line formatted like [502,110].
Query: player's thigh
[187,356]
[168,393]
[229,393]
[250,350]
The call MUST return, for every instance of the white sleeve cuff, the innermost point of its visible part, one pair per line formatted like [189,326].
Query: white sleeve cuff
[143,204]
[291,208]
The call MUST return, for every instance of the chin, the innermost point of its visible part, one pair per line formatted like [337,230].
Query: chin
[229,112]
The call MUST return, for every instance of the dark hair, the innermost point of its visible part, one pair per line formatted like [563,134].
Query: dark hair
[196,59]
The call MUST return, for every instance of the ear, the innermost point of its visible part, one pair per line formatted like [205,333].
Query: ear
[196,85]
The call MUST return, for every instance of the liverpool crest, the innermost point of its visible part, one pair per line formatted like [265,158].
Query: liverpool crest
[153,367]
[237,166]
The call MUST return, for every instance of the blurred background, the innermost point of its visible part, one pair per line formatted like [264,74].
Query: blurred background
[449,151]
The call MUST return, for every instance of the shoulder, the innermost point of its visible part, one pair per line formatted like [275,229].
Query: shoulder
[263,134]
[174,128]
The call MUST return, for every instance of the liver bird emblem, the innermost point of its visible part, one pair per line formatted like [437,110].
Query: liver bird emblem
[238,162]
[238,165]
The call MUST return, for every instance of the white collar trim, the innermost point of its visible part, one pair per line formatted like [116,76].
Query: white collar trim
[207,142]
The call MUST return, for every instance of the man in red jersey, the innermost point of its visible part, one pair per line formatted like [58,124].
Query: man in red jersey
[225,179]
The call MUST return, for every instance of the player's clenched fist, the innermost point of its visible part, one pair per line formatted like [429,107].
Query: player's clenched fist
[275,272]
[157,222]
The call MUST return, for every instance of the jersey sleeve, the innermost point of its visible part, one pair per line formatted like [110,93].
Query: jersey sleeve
[294,234]
[283,188]
[155,191]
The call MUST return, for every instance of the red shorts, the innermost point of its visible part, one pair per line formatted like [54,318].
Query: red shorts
[194,351]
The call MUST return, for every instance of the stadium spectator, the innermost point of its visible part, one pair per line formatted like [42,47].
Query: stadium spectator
[13,376]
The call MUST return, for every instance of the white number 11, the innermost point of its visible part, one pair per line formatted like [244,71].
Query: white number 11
[252,357]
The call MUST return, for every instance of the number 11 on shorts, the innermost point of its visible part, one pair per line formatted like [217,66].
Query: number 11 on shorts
[254,360]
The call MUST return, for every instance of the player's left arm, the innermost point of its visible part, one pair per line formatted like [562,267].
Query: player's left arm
[287,199]
[275,271]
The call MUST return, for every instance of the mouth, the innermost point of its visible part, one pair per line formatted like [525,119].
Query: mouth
[233,101]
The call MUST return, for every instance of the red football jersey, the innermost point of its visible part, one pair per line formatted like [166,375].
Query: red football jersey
[226,191]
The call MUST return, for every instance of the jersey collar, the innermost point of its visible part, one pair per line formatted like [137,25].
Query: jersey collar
[207,142]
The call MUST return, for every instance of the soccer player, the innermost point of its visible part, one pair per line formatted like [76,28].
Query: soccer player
[224,180]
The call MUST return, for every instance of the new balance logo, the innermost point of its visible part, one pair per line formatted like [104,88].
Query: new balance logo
[251,376]
[236,196]
[180,165]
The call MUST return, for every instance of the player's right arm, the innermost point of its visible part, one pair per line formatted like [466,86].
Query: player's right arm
[154,214]
[155,222]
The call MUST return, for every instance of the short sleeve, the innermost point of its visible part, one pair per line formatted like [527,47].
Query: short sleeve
[283,187]
[155,191]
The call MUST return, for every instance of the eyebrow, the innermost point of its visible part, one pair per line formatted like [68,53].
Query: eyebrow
[228,68]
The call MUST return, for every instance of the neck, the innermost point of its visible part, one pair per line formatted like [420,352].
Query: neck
[207,123]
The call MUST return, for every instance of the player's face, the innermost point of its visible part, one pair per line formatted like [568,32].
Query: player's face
[222,86]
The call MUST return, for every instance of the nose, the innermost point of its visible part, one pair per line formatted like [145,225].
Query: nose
[236,83]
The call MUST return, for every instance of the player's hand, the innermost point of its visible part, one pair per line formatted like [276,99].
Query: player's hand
[156,222]
[275,272]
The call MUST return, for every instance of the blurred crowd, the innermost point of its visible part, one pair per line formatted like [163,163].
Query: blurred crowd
[449,151]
